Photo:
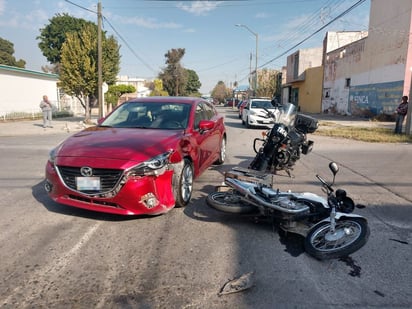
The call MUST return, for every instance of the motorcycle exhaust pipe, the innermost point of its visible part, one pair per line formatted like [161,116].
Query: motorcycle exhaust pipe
[248,190]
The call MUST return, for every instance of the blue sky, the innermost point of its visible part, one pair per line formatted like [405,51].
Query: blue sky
[215,48]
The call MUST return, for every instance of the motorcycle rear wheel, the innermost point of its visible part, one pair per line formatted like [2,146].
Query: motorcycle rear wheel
[350,235]
[229,202]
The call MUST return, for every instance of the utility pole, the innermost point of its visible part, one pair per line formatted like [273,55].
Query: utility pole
[99,61]
[409,113]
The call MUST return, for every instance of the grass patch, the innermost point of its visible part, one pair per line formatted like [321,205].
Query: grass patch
[372,135]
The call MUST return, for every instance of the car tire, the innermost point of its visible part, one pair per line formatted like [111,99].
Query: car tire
[183,184]
[247,123]
[222,152]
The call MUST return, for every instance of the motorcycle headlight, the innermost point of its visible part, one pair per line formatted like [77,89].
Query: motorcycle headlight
[154,166]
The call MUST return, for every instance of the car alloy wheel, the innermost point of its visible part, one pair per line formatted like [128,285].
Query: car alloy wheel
[183,184]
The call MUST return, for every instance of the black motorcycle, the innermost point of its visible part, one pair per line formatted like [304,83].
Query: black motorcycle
[282,145]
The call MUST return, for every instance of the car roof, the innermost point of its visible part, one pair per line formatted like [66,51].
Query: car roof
[169,99]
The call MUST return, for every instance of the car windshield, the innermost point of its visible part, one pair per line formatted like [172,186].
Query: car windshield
[261,104]
[153,115]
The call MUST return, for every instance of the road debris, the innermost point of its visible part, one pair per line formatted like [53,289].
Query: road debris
[238,284]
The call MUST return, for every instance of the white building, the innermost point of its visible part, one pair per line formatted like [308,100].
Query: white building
[138,83]
[22,90]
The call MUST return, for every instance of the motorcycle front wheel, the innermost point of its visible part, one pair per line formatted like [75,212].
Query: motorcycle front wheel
[229,202]
[349,236]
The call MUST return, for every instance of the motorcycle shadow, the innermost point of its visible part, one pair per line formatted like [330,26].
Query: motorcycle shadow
[248,226]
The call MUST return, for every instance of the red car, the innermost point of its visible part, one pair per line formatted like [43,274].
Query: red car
[242,105]
[141,159]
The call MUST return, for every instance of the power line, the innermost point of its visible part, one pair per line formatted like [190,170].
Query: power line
[314,33]
[129,47]
[119,35]
[82,7]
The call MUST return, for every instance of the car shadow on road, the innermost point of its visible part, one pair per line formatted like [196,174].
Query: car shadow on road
[41,196]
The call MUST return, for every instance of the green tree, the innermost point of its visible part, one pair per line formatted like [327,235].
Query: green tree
[116,91]
[193,84]
[157,89]
[174,76]
[220,92]
[79,65]
[110,59]
[268,82]
[53,36]
[6,55]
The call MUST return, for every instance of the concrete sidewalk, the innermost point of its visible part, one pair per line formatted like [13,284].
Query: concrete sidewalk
[75,124]
[35,127]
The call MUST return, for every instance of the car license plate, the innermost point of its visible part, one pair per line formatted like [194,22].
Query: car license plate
[88,183]
[266,121]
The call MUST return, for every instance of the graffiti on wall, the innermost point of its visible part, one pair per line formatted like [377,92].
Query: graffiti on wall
[375,98]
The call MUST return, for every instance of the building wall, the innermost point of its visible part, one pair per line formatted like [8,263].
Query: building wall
[310,94]
[336,39]
[369,76]
[298,62]
[22,90]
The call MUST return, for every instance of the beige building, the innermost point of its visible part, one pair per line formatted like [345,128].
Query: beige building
[369,76]
[302,84]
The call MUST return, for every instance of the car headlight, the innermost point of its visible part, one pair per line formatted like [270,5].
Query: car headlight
[154,166]
[53,154]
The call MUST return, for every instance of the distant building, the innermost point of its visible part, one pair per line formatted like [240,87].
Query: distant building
[138,83]
[302,80]
[369,76]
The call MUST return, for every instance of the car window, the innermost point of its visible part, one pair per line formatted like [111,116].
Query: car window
[261,104]
[149,115]
[209,111]
[199,115]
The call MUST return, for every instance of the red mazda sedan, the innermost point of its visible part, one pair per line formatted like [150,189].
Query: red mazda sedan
[141,159]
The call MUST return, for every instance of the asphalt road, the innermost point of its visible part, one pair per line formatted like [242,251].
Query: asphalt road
[54,256]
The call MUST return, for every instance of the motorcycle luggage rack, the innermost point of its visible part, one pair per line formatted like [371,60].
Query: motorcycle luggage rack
[246,174]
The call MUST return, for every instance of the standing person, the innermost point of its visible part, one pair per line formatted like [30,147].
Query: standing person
[401,111]
[46,108]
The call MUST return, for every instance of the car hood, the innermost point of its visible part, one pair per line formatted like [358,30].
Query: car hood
[119,143]
[261,111]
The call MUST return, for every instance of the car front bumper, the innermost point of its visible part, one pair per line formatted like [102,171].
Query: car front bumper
[133,195]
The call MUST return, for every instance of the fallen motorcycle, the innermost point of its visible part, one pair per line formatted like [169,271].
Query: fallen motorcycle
[282,145]
[328,225]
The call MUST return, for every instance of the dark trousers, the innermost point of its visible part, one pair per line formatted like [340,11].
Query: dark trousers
[399,122]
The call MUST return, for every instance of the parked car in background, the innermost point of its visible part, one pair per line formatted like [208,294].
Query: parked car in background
[141,159]
[254,114]
[242,105]
[232,102]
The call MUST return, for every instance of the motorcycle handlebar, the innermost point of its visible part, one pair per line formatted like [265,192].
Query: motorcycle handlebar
[323,181]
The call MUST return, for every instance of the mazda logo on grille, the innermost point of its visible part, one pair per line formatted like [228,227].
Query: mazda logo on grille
[86,171]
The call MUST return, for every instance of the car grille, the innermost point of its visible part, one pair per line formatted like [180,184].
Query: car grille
[109,178]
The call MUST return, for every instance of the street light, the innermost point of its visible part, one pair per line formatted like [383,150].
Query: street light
[256,58]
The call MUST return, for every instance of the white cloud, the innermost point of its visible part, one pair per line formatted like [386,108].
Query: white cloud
[199,7]
[2,6]
[262,15]
[150,23]
[190,30]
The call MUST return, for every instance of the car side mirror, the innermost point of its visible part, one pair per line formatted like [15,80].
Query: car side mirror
[205,125]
